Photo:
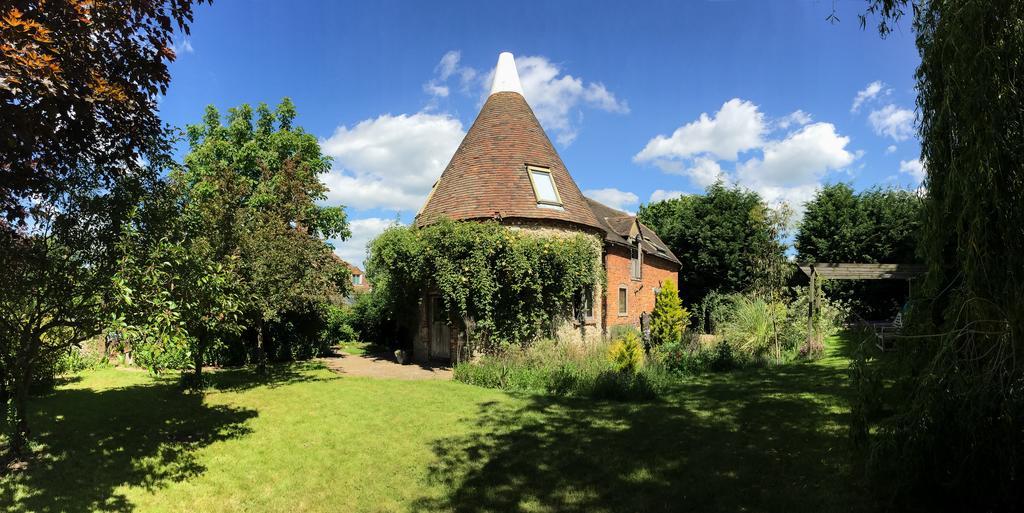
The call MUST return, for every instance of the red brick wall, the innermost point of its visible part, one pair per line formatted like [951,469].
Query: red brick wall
[639,293]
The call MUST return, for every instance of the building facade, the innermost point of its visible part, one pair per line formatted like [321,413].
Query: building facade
[506,169]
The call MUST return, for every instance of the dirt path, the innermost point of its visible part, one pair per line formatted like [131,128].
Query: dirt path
[382,366]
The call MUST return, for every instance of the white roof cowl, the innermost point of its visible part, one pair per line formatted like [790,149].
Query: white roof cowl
[506,77]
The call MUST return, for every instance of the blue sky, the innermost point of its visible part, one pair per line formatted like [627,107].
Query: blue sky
[642,100]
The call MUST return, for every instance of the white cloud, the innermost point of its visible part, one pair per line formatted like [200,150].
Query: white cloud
[705,172]
[914,168]
[390,161]
[556,98]
[662,195]
[868,93]
[182,47]
[787,170]
[890,149]
[619,200]
[736,127]
[893,121]
[353,249]
[803,156]
[448,67]
[796,118]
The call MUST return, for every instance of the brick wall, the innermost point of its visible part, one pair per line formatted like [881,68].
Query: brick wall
[639,293]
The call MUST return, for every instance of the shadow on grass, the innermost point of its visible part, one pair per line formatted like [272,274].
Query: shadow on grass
[245,378]
[143,435]
[760,440]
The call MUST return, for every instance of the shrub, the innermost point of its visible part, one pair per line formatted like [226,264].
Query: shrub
[669,317]
[691,358]
[621,330]
[755,327]
[627,353]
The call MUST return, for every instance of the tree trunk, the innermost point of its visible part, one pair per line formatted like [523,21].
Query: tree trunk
[20,433]
[4,396]
[261,356]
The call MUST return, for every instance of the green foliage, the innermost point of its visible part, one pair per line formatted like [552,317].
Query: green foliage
[955,441]
[627,353]
[669,318]
[873,226]
[549,367]
[511,285]
[339,325]
[754,327]
[721,237]
[232,247]
[622,330]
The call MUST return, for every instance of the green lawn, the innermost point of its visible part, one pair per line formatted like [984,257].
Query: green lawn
[308,440]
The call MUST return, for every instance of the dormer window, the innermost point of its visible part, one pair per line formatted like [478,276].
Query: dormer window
[544,186]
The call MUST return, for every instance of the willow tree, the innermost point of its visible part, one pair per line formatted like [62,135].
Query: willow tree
[956,442]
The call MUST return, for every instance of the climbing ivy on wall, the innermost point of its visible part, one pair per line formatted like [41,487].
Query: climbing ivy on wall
[510,286]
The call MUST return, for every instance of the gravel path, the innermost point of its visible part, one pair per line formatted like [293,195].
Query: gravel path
[383,366]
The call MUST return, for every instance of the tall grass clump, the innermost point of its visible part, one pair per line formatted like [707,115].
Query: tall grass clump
[615,370]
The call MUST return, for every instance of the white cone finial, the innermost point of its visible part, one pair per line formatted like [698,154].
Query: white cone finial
[506,78]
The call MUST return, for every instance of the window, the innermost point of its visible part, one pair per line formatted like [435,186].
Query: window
[584,307]
[636,262]
[357,279]
[544,186]
[622,301]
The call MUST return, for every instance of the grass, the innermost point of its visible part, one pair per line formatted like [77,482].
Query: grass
[306,440]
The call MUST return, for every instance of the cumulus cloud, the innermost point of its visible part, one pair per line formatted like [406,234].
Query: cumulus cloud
[890,149]
[914,168]
[736,127]
[803,156]
[787,169]
[872,91]
[893,121]
[353,249]
[662,195]
[619,200]
[390,161]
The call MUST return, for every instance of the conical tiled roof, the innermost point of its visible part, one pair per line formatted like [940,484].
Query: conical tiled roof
[487,177]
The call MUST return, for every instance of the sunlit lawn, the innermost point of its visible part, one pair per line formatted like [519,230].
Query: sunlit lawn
[309,440]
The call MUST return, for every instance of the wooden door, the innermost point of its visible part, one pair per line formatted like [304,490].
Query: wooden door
[440,332]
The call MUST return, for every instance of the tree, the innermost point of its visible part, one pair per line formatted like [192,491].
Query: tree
[873,226]
[669,317]
[105,62]
[955,442]
[241,234]
[719,236]
[78,132]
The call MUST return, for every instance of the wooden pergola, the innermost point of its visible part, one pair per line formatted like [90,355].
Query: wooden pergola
[846,271]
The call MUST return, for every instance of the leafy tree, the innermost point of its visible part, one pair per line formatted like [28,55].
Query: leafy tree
[955,443]
[106,62]
[720,236]
[78,125]
[669,317]
[874,226]
[243,234]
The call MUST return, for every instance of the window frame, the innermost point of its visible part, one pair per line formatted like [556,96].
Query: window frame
[357,279]
[623,301]
[530,170]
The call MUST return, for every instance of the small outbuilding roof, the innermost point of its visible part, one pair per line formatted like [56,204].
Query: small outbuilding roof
[618,229]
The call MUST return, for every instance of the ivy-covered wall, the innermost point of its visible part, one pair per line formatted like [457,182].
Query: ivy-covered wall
[513,284]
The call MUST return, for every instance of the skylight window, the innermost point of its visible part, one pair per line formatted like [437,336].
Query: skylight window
[544,186]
